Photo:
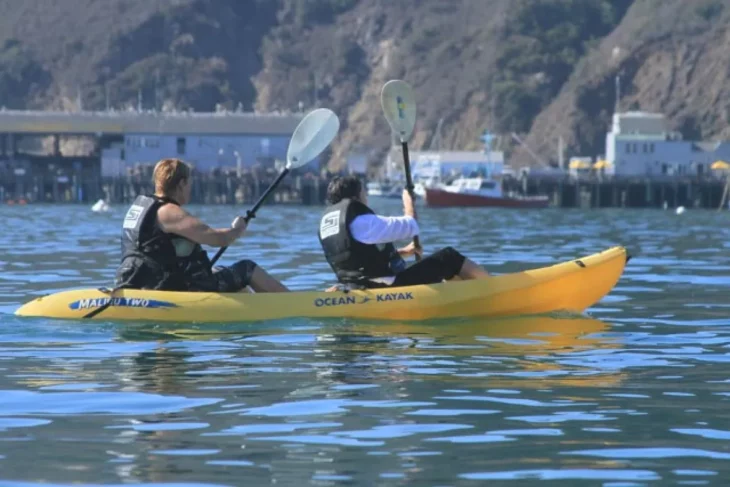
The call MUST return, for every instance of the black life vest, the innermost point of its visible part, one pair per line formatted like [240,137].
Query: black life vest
[352,261]
[153,259]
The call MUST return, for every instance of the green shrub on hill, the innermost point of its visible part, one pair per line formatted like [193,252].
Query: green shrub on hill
[543,42]
[20,75]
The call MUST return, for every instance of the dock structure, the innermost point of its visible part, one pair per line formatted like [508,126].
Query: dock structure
[645,165]
[235,157]
[28,122]
[224,188]
[623,192]
[34,166]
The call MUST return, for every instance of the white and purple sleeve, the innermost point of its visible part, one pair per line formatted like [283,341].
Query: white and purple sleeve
[376,229]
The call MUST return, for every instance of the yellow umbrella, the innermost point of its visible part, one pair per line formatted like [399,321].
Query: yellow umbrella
[601,164]
[722,166]
[579,165]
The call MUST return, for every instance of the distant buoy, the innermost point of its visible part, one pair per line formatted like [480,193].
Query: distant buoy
[680,210]
[100,206]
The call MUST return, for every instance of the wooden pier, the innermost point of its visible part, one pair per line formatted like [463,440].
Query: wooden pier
[59,179]
[226,189]
[618,192]
[44,179]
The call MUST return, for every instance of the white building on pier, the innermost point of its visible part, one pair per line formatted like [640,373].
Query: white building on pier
[445,164]
[207,140]
[640,144]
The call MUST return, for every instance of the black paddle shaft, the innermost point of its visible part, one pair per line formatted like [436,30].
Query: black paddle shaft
[252,212]
[409,188]
[101,308]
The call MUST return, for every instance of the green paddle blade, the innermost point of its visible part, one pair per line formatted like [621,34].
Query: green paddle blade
[399,107]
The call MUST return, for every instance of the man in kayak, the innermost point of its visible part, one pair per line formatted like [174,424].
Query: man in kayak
[161,243]
[358,244]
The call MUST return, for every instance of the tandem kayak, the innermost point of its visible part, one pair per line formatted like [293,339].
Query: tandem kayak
[569,286]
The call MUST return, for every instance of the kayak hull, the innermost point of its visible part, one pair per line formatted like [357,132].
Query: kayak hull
[568,286]
[441,198]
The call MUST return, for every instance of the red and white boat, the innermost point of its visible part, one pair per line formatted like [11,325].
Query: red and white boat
[479,192]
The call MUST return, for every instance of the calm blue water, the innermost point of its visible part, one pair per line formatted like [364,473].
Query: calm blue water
[637,392]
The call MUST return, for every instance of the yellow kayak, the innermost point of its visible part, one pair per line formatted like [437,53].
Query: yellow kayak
[568,286]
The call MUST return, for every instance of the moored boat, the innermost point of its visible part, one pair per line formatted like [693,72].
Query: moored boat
[386,190]
[479,191]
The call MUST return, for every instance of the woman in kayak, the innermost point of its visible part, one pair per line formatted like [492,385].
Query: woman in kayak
[161,243]
[358,244]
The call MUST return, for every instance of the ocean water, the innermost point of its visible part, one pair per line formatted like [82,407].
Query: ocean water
[634,392]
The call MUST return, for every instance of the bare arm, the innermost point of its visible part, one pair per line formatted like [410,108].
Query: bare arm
[408,207]
[174,219]
[409,210]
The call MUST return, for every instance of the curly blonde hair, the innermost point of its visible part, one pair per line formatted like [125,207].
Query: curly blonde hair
[169,173]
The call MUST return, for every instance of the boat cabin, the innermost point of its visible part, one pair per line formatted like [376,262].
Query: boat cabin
[480,186]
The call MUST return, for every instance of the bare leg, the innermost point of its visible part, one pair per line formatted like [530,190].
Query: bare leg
[472,270]
[262,282]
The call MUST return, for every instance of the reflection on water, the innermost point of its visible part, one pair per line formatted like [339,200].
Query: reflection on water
[635,392]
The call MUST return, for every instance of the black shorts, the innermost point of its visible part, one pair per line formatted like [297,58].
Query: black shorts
[437,267]
[229,279]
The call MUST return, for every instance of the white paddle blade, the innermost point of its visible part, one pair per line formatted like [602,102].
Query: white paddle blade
[399,107]
[313,134]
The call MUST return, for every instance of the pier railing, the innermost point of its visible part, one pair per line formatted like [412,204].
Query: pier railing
[222,188]
[81,185]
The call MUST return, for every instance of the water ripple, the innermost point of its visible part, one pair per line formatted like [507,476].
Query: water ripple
[632,392]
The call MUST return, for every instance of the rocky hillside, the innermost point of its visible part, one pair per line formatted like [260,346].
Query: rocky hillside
[671,56]
[539,69]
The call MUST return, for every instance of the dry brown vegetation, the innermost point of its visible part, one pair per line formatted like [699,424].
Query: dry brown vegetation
[541,69]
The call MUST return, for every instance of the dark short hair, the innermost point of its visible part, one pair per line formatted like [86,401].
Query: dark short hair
[342,187]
